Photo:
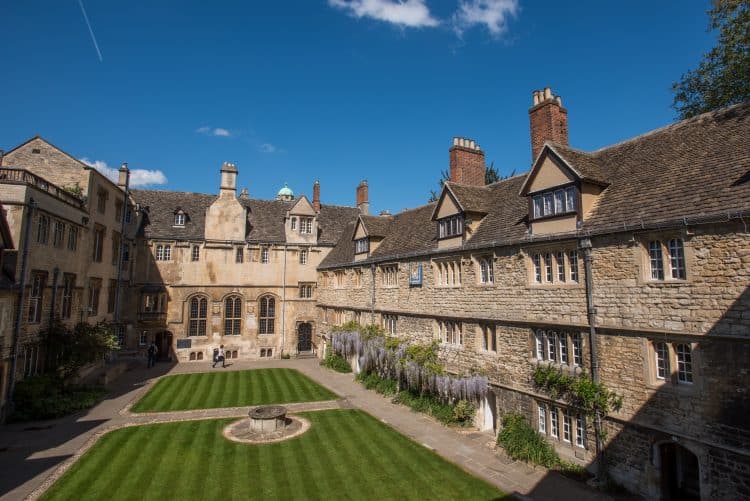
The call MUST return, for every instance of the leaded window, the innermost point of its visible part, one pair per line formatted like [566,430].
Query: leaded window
[656,260]
[267,317]
[661,354]
[233,316]
[198,316]
[676,258]
[684,363]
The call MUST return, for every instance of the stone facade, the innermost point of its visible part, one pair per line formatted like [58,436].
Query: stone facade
[669,299]
[74,241]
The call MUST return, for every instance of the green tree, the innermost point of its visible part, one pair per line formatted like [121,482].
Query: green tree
[723,75]
[69,350]
[491,175]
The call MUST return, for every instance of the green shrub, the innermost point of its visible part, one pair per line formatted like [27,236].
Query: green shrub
[522,442]
[336,362]
[45,397]
[286,356]
[463,411]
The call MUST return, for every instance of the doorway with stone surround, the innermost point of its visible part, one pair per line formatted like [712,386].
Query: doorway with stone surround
[680,473]
[304,337]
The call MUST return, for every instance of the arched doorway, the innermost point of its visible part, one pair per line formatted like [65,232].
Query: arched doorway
[680,477]
[163,341]
[304,337]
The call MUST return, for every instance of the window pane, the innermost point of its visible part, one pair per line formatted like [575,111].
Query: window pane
[548,204]
[677,258]
[542,413]
[573,260]
[560,266]
[548,266]
[656,261]
[559,202]
[570,199]
[538,206]
[684,363]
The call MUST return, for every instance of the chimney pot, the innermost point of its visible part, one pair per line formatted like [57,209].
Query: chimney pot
[363,201]
[467,163]
[548,120]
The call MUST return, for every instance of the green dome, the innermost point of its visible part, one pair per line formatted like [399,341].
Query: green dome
[285,192]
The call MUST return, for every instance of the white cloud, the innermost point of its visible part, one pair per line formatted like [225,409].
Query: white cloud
[408,13]
[138,177]
[267,148]
[493,14]
[213,131]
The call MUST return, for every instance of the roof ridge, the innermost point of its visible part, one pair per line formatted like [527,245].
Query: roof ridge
[675,125]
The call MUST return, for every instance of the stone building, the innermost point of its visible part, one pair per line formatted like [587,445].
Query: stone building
[73,218]
[8,295]
[630,263]
[230,270]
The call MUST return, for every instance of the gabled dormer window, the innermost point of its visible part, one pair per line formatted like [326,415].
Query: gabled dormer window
[555,202]
[179,218]
[451,226]
[362,245]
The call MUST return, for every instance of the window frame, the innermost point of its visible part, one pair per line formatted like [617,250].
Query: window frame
[450,226]
[554,202]
[198,316]
[179,219]
[304,256]
[233,315]
[362,245]
[195,253]
[266,315]
[36,296]
[486,270]
[265,255]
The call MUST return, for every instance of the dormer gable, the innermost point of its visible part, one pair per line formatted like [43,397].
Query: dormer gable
[561,187]
[369,232]
[301,222]
[180,218]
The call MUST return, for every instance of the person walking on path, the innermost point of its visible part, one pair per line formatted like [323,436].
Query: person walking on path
[220,357]
[151,352]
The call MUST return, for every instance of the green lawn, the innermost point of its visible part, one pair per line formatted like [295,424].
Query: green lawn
[210,390]
[346,454]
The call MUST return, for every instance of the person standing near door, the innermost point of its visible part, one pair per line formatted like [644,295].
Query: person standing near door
[151,352]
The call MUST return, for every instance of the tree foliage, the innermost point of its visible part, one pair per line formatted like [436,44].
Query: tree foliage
[69,350]
[722,78]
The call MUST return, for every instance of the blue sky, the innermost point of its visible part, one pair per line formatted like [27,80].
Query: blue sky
[335,90]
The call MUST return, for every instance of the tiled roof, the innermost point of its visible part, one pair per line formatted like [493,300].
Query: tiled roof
[471,198]
[376,226]
[265,217]
[161,206]
[586,165]
[690,169]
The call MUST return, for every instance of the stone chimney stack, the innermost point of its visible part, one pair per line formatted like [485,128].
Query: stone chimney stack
[228,180]
[549,121]
[466,162]
[316,196]
[124,176]
[363,200]
[2,154]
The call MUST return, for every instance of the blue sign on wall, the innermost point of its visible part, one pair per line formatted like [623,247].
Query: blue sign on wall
[415,274]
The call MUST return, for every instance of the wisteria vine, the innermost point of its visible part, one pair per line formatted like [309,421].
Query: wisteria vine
[394,363]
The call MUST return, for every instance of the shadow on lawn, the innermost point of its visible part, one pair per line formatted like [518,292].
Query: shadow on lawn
[20,443]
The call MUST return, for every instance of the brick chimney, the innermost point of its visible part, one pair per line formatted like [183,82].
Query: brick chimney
[466,162]
[363,200]
[316,196]
[549,121]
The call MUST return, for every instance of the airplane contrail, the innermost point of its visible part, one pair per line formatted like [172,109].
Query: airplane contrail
[93,38]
